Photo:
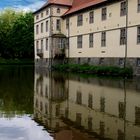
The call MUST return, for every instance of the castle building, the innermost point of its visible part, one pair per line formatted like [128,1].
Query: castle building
[97,32]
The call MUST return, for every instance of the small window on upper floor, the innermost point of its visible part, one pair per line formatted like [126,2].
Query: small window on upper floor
[67,23]
[37,17]
[80,20]
[123,8]
[42,14]
[58,10]
[91,17]
[104,13]
[37,29]
[47,11]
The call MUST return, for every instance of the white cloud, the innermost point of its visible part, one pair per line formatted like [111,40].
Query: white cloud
[31,7]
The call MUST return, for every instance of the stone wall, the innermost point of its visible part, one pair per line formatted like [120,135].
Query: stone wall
[119,62]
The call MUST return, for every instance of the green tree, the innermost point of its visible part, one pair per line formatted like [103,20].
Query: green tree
[16,34]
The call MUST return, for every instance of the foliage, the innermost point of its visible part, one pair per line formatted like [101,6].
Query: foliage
[16,34]
[98,70]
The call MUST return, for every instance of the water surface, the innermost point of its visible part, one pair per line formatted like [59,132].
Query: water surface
[43,105]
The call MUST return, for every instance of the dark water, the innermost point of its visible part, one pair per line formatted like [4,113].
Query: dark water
[43,105]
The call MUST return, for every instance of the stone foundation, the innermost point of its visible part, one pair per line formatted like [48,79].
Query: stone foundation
[134,63]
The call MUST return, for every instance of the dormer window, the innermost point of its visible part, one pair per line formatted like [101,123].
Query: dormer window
[58,10]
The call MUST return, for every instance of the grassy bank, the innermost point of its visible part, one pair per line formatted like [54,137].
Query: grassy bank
[16,61]
[97,70]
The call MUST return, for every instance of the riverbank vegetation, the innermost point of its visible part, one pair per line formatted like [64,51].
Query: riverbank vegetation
[97,70]
[16,35]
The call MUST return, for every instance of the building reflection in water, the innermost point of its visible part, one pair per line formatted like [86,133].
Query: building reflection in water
[74,108]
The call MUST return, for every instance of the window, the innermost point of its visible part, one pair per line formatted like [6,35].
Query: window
[123,8]
[138,5]
[90,100]
[58,10]
[78,118]
[79,20]
[103,39]
[37,29]
[138,62]
[121,110]
[102,104]
[123,36]
[57,110]
[47,26]
[47,12]
[91,40]
[67,23]
[101,61]
[90,123]
[137,115]
[79,61]
[121,61]
[121,135]
[37,17]
[79,41]
[79,97]
[47,44]
[138,35]
[102,129]
[104,13]
[91,17]
[41,14]
[41,44]
[58,27]
[37,45]
[41,27]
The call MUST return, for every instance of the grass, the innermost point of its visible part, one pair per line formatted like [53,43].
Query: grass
[96,70]
[16,61]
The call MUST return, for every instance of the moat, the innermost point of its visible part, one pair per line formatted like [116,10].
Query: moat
[36,104]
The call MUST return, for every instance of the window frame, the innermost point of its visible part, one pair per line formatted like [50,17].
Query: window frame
[91,17]
[123,9]
[91,40]
[80,20]
[138,35]
[42,27]
[58,25]
[104,13]
[103,39]
[79,41]
[123,36]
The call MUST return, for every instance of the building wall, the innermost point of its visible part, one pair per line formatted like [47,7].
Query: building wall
[112,26]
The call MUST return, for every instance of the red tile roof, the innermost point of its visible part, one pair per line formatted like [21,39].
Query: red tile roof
[75,5]
[82,4]
[59,2]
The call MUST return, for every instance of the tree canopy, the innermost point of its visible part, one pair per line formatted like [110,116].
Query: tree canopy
[16,34]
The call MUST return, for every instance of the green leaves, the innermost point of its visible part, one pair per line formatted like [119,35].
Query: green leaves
[16,34]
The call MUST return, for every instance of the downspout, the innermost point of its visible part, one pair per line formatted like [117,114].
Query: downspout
[126,45]
[68,40]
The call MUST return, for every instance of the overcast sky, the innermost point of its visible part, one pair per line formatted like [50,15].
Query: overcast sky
[22,4]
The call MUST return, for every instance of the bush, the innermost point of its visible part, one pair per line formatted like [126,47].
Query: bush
[98,70]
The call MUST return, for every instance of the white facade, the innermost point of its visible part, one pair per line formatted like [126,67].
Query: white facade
[115,45]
